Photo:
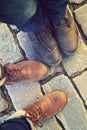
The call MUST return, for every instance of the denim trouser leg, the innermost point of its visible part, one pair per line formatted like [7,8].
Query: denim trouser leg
[16,124]
[27,15]
[55,9]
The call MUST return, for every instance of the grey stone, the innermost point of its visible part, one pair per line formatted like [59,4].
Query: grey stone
[81,83]
[81,17]
[73,116]
[3,102]
[76,1]
[78,62]
[50,124]
[25,44]
[7,115]
[23,93]
[14,28]
[9,50]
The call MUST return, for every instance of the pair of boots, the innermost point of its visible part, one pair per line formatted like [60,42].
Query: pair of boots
[45,44]
[61,36]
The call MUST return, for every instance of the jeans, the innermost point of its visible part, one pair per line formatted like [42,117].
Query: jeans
[31,15]
[16,124]
[34,16]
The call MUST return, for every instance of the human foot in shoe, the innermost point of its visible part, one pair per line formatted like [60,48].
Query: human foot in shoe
[24,71]
[46,107]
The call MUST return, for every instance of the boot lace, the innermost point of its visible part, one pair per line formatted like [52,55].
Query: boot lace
[35,114]
[13,74]
[46,33]
[64,21]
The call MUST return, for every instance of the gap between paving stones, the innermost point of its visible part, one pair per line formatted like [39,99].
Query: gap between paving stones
[74,112]
[73,84]
[75,5]
[10,107]
[14,32]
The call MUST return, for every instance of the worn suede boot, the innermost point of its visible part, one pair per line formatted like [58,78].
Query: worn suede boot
[65,32]
[46,107]
[23,71]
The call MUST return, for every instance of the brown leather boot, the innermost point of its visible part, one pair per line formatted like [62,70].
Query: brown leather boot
[24,71]
[46,107]
[65,33]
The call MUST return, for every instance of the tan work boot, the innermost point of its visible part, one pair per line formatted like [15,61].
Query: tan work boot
[65,33]
[23,71]
[49,105]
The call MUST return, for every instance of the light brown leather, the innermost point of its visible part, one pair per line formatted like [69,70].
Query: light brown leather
[46,107]
[25,71]
[66,34]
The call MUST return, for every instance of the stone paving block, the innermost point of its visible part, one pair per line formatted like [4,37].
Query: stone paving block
[50,124]
[14,28]
[9,50]
[26,45]
[78,62]
[3,102]
[73,116]
[76,1]
[81,83]
[81,17]
[23,93]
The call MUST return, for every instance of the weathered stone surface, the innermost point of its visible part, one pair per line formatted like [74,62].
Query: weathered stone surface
[25,44]
[81,17]
[76,1]
[9,50]
[73,116]
[50,124]
[3,103]
[81,84]
[23,94]
[78,62]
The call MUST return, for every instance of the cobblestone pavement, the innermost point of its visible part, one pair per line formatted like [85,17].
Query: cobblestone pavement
[70,76]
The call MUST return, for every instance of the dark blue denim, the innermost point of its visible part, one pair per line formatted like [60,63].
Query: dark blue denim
[31,15]
[16,124]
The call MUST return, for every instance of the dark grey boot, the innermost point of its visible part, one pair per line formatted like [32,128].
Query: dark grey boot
[45,47]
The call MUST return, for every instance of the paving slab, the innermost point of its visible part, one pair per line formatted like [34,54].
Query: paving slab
[76,1]
[25,44]
[81,84]
[9,49]
[50,124]
[81,17]
[9,53]
[23,93]
[78,62]
[73,116]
